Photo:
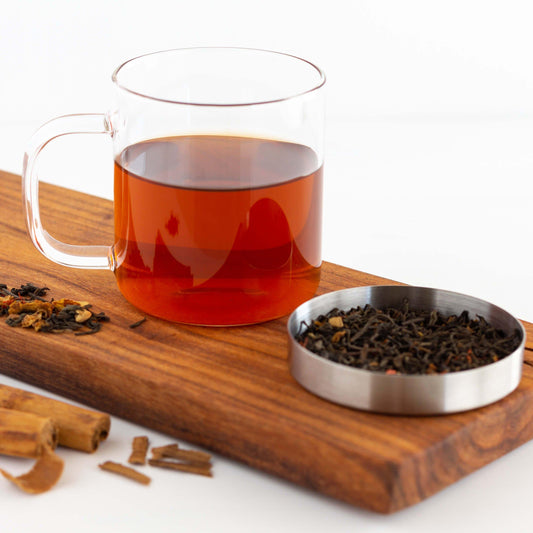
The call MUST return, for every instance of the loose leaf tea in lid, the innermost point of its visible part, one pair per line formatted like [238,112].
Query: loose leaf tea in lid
[362,364]
[407,341]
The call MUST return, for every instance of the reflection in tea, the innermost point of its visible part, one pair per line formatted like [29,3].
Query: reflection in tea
[217,229]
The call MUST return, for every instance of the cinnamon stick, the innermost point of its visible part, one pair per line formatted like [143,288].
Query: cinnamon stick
[78,428]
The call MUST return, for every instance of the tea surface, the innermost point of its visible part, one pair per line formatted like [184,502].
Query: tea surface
[217,230]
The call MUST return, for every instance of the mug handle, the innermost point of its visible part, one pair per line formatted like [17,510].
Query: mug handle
[62,253]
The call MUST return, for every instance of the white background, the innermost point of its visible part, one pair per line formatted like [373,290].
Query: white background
[429,161]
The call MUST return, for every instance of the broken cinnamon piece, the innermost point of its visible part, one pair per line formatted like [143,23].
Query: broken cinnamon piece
[29,435]
[78,428]
[139,449]
[125,471]
[160,451]
[173,451]
[203,469]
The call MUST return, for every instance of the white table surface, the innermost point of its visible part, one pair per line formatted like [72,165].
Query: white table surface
[427,186]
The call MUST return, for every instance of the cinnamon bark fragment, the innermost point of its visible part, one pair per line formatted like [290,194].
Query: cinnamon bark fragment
[139,450]
[29,435]
[78,428]
[42,477]
[173,451]
[125,471]
[173,457]
[203,469]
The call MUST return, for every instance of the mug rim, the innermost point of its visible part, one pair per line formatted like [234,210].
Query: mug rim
[315,87]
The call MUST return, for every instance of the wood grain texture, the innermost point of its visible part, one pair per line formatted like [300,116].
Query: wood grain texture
[229,389]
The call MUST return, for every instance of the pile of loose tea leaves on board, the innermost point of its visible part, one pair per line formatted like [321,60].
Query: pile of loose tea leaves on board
[27,307]
[405,341]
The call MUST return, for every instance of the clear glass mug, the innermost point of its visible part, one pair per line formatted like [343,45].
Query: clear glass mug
[217,184]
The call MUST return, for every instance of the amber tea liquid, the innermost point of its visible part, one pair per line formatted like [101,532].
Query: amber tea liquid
[217,230]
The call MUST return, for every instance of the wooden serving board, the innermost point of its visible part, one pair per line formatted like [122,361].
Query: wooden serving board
[229,389]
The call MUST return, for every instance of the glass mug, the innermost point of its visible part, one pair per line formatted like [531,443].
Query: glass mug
[217,184]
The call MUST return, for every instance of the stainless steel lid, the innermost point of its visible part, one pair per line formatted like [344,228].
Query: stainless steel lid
[400,393]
